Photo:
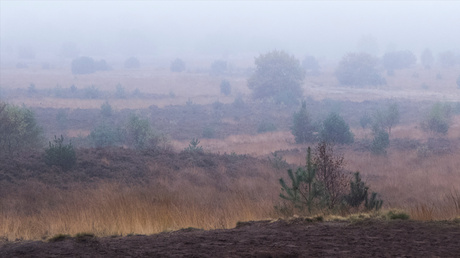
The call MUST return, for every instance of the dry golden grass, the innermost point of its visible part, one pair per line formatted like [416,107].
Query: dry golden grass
[39,212]
[427,187]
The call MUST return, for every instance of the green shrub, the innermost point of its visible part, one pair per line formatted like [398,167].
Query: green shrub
[302,128]
[105,135]
[336,130]
[322,184]
[18,129]
[380,142]
[386,120]
[398,215]
[139,134]
[305,191]
[58,238]
[60,154]
[193,146]
[438,119]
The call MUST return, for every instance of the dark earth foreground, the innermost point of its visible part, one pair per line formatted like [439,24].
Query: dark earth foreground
[294,238]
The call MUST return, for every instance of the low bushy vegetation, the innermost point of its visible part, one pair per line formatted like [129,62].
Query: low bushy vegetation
[60,154]
[302,128]
[438,119]
[336,130]
[323,185]
[19,130]
[87,65]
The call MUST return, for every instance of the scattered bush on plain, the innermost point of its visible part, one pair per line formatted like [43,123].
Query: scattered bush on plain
[359,69]
[438,119]
[303,129]
[336,130]
[87,65]
[19,130]
[278,76]
[323,185]
[60,154]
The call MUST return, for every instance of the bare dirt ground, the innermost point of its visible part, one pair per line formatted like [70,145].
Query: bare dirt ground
[295,238]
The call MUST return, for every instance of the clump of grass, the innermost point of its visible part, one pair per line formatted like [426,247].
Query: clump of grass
[394,214]
[58,238]
[84,237]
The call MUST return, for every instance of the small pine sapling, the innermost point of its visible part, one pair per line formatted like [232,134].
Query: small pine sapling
[193,146]
[373,202]
[304,189]
[358,192]
[59,154]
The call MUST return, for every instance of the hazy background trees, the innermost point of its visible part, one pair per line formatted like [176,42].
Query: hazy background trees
[177,65]
[359,69]
[398,60]
[132,63]
[278,76]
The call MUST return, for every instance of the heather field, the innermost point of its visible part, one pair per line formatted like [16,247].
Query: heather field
[120,191]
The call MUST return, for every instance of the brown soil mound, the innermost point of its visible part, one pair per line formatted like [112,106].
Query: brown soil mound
[295,238]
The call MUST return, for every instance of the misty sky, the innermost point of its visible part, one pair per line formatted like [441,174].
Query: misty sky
[327,28]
